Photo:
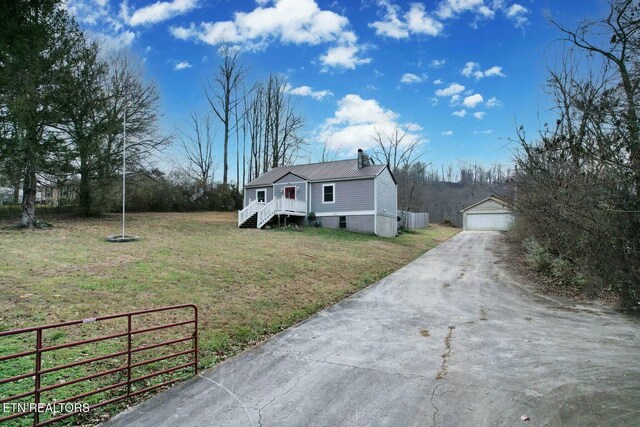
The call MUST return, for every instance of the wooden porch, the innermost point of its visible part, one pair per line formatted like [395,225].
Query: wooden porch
[257,214]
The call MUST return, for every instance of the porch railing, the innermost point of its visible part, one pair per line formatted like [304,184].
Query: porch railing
[247,212]
[280,206]
[292,205]
[267,212]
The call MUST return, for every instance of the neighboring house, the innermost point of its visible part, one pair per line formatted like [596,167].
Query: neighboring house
[6,195]
[492,213]
[52,194]
[352,194]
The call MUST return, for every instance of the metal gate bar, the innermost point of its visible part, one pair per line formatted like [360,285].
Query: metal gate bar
[38,372]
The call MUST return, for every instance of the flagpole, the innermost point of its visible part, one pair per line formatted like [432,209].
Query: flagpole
[124,165]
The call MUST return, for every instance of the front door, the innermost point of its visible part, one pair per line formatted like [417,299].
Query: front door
[290,192]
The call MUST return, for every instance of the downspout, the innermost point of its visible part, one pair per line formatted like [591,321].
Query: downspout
[395,213]
[375,206]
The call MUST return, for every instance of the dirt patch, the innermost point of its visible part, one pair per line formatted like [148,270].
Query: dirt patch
[425,333]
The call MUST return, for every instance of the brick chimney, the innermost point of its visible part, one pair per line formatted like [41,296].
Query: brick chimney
[363,159]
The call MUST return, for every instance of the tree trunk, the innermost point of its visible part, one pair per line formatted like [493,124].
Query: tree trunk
[84,192]
[16,192]
[29,199]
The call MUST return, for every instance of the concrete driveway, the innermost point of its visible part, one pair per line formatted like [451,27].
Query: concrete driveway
[449,340]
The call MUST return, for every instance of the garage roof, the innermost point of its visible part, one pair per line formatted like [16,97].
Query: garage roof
[492,197]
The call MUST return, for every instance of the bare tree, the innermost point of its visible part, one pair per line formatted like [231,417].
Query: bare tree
[254,113]
[222,94]
[622,29]
[273,125]
[132,95]
[579,179]
[396,147]
[197,142]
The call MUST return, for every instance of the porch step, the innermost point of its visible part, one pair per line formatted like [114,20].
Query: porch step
[251,222]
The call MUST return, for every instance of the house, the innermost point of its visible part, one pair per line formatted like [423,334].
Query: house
[351,194]
[56,194]
[492,213]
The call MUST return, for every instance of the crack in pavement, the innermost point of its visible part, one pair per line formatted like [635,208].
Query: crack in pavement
[436,410]
[442,372]
[281,395]
[447,345]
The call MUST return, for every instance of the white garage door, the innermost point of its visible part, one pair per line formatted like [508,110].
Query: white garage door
[488,221]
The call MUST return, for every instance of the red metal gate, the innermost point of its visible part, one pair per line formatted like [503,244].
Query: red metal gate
[40,349]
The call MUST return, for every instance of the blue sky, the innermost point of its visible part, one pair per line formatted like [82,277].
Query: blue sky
[459,75]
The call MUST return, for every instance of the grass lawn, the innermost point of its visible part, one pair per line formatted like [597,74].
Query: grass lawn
[247,283]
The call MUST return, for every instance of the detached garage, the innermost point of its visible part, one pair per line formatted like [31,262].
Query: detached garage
[490,214]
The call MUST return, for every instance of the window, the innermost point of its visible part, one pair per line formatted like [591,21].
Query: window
[342,222]
[261,195]
[328,191]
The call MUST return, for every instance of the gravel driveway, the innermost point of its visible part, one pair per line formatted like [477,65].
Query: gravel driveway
[450,340]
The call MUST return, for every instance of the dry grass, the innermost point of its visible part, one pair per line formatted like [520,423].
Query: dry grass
[247,283]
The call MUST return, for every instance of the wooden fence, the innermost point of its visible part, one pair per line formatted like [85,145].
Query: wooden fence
[413,220]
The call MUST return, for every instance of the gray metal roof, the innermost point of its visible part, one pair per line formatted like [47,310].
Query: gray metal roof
[341,169]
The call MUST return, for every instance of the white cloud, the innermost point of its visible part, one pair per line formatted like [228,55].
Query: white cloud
[412,127]
[517,14]
[447,133]
[452,89]
[420,22]
[343,57]
[451,8]
[460,113]
[494,71]
[479,115]
[357,120]
[100,23]
[287,21]
[182,65]
[352,109]
[409,78]
[493,102]
[437,82]
[398,26]
[87,12]
[472,101]
[158,11]
[391,25]
[484,132]
[473,69]
[437,63]
[455,100]
[468,68]
[305,90]
[114,41]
